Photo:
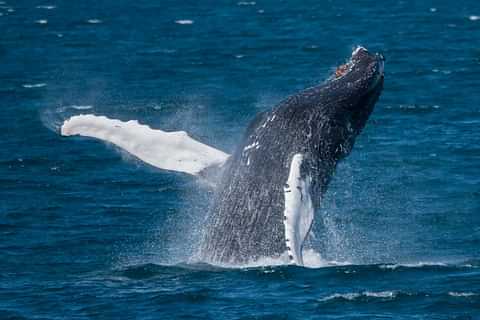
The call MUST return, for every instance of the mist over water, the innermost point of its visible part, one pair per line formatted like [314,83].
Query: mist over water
[88,231]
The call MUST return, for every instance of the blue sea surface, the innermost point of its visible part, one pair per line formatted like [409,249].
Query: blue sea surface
[89,232]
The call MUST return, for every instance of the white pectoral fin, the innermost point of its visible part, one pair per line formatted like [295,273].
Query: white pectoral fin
[298,214]
[175,151]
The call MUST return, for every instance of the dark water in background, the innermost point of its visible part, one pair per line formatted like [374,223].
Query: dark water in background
[86,231]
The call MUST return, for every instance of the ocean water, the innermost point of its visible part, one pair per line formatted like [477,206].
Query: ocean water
[89,232]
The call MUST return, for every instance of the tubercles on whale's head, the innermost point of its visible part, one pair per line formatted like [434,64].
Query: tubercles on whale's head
[359,86]
[369,64]
[363,68]
[366,82]
[352,93]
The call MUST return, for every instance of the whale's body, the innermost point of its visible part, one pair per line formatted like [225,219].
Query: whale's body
[272,184]
[308,132]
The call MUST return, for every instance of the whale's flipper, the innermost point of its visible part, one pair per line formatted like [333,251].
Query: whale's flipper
[174,151]
[299,212]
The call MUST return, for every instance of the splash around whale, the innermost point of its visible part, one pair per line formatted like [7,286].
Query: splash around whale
[272,185]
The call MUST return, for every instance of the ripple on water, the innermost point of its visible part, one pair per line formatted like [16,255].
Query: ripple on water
[46,7]
[413,107]
[462,294]
[33,85]
[246,3]
[184,21]
[430,265]
[94,21]
[80,107]
[353,296]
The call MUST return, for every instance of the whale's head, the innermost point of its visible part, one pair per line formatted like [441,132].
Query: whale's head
[356,86]
[348,98]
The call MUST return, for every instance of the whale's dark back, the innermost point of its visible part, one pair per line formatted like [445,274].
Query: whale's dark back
[246,219]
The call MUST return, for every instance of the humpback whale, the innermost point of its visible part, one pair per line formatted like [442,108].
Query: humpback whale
[271,186]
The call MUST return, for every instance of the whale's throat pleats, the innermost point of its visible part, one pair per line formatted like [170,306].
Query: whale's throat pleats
[298,213]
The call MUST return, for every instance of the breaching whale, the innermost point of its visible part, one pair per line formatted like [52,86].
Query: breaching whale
[270,187]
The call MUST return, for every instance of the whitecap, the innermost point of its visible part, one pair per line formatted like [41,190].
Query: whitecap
[94,21]
[461,294]
[381,294]
[346,296]
[46,7]
[474,18]
[433,9]
[184,21]
[34,85]
[246,3]
[413,265]
[81,107]
[356,295]
[42,21]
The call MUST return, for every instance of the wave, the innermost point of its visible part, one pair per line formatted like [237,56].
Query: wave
[462,294]
[417,265]
[34,85]
[351,296]
[316,267]
[312,260]
[389,295]
[185,21]
[246,3]
[46,7]
[80,107]
[94,21]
